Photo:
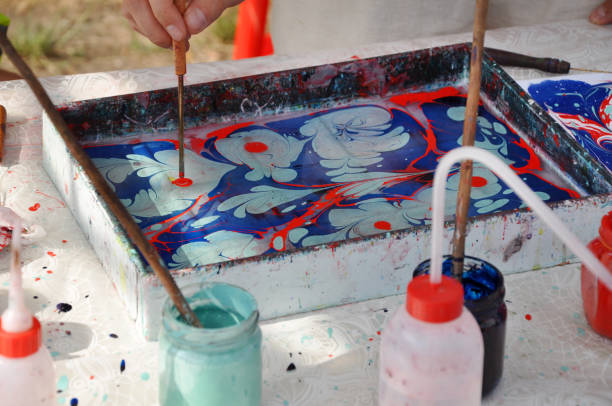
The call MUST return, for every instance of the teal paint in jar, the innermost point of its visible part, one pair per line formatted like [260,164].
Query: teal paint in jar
[219,364]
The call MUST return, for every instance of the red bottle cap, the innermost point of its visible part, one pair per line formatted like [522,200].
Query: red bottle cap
[605,230]
[434,302]
[19,345]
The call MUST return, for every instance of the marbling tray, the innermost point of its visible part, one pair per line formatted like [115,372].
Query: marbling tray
[365,244]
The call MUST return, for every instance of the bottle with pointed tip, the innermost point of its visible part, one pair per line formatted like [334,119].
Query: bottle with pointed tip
[27,376]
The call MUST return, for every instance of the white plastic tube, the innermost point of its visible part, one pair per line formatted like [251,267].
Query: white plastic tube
[522,190]
[17,317]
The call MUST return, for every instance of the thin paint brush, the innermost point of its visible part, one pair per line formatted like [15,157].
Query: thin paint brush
[180,68]
[469,132]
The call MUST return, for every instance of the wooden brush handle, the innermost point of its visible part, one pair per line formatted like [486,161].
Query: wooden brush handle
[2,129]
[469,132]
[551,65]
[180,47]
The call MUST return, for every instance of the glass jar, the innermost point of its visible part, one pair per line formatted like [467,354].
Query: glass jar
[219,364]
[484,293]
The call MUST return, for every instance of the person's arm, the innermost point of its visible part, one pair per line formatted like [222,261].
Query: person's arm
[161,22]
[603,14]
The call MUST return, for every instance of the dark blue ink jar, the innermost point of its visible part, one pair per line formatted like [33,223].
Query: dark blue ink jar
[484,292]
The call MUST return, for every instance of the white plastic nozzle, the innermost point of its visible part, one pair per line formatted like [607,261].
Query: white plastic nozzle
[17,317]
[522,190]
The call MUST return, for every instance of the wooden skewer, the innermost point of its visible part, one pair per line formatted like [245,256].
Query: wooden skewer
[180,68]
[2,129]
[117,208]
[469,132]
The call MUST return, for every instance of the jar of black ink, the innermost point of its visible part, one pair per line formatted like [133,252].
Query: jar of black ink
[484,292]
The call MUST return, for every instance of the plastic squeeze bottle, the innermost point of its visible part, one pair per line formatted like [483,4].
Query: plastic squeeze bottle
[432,351]
[27,377]
[596,297]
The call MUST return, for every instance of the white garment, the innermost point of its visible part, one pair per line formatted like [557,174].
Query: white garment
[299,26]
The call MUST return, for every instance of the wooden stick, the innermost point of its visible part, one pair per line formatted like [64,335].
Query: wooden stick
[180,68]
[507,58]
[469,132]
[2,129]
[117,208]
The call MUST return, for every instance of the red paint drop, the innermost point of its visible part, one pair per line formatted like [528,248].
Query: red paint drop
[478,181]
[255,147]
[49,271]
[64,241]
[182,182]
[383,225]
[528,316]
[378,332]
[36,279]
[51,253]
[91,377]
[35,207]
[370,339]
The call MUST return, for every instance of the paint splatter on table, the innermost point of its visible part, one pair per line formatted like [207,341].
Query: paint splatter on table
[291,181]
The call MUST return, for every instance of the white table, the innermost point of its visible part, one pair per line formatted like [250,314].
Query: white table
[554,358]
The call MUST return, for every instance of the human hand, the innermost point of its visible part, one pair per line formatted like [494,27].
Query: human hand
[161,22]
[602,15]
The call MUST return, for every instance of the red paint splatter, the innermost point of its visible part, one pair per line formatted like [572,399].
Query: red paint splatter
[424,97]
[51,253]
[36,279]
[91,377]
[34,207]
[378,332]
[478,181]
[355,57]
[370,339]
[331,355]
[49,271]
[182,182]
[383,225]
[64,241]
[225,131]
[255,147]
[528,317]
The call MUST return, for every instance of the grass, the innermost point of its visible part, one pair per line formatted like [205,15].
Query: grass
[69,36]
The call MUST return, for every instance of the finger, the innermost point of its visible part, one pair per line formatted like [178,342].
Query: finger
[201,13]
[147,24]
[603,14]
[169,17]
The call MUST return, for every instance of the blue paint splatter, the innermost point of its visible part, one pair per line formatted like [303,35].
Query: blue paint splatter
[74,402]
[104,397]
[62,383]
[564,368]
[122,366]
[581,332]
[330,332]
[63,307]
[54,354]
[304,338]
[145,376]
